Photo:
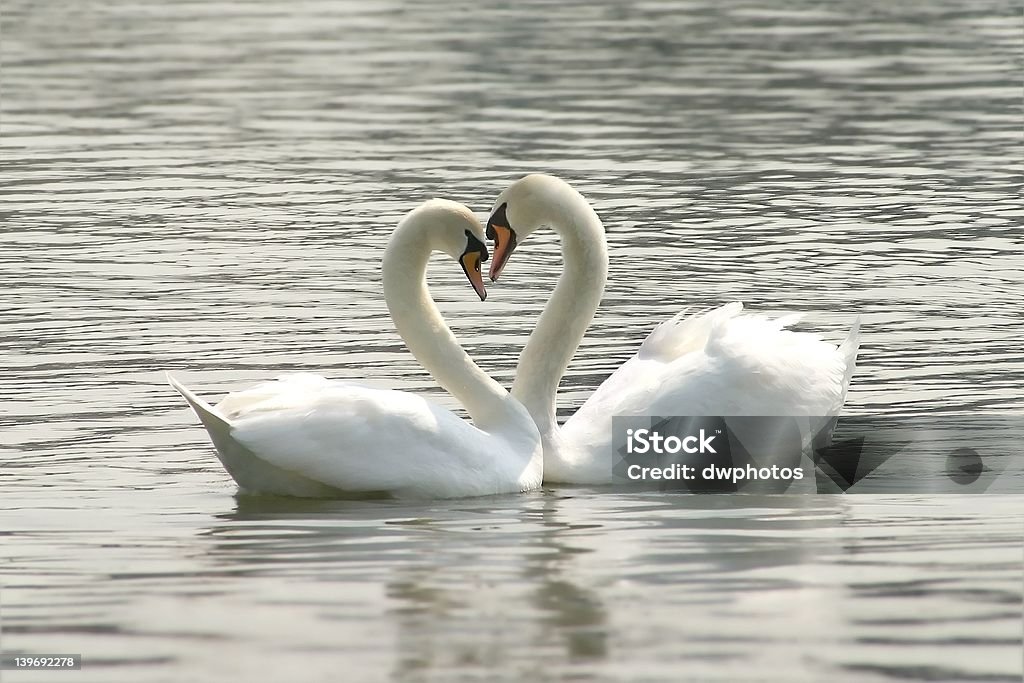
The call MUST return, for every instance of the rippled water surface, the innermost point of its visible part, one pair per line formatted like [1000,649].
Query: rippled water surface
[205,187]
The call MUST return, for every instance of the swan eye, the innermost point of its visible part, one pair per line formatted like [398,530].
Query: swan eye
[474,244]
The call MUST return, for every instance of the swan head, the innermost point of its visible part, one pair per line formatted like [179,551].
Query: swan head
[524,206]
[453,229]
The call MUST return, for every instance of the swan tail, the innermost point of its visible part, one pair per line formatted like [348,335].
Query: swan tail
[848,350]
[252,473]
[216,424]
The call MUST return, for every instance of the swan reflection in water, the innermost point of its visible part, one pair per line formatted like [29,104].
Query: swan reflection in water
[510,583]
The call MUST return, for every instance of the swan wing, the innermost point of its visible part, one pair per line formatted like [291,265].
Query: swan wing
[721,362]
[684,333]
[715,363]
[349,438]
[370,440]
[286,391]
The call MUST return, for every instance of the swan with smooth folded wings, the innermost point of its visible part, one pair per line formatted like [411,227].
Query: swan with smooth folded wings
[303,435]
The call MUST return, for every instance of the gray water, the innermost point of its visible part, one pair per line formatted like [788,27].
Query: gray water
[205,187]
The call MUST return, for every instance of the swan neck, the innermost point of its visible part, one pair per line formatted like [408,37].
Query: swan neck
[572,306]
[426,334]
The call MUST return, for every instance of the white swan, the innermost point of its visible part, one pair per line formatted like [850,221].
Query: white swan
[715,363]
[303,435]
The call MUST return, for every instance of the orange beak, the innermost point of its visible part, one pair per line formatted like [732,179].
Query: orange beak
[504,244]
[504,238]
[471,266]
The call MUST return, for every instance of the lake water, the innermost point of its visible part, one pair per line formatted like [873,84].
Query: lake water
[205,187]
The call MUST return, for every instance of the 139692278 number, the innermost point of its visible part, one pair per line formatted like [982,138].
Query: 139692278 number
[41,662]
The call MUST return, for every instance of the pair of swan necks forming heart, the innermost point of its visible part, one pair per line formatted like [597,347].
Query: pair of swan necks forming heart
[304,435]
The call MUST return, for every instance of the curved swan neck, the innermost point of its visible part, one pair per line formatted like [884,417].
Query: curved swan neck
[572,305]
[425,332]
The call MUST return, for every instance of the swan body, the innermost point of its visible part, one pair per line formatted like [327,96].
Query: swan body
[721,362]
[304,435]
